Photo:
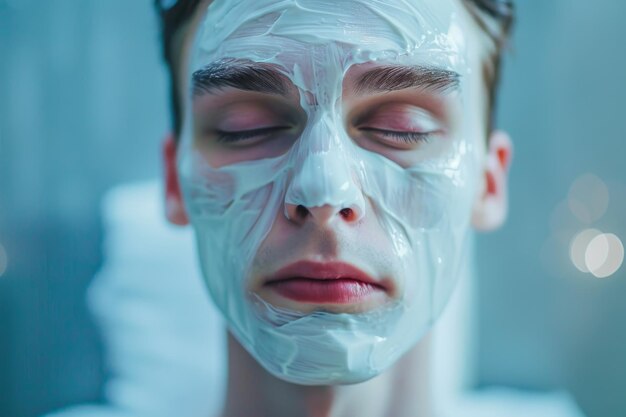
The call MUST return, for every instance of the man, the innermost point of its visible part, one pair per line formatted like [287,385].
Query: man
[331,157]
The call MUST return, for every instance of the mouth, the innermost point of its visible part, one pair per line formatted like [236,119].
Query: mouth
[326,283]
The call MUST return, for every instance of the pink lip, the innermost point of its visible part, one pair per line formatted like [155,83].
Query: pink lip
[332,282]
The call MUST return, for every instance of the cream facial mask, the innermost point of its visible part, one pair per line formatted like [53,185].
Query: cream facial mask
[418,191]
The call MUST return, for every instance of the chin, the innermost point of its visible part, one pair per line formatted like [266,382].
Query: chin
[323,347]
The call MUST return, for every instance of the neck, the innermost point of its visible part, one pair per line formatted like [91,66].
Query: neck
[401,391]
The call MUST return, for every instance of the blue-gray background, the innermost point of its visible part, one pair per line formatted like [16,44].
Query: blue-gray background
[83,107]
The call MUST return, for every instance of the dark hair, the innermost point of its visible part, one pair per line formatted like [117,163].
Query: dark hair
[495,17]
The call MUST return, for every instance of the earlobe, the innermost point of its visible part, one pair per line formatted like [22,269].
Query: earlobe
[491,207]
[174,205]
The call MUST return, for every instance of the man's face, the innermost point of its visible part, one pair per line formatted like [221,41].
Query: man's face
[331,157]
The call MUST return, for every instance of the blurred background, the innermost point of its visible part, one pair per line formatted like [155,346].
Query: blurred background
[83,107]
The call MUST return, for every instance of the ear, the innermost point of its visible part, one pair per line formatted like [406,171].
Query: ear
[491,207]
[174,205]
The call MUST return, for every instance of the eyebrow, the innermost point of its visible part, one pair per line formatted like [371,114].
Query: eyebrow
[239,74]
[392,78]
[265,78]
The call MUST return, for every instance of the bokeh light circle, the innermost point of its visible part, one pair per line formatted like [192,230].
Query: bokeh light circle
[578,248]
[604,255]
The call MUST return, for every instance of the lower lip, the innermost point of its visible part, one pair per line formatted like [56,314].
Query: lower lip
[336,291]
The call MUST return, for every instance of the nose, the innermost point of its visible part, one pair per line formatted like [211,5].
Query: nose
[323,188]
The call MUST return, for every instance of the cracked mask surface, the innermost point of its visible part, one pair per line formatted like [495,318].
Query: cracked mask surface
[409,197]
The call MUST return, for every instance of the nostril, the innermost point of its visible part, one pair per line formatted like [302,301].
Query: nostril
[347,214]
[301,211]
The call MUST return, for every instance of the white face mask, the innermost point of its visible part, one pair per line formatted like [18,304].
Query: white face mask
[399,203]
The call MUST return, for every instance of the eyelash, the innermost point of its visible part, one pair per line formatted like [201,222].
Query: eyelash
[407,137]
[229,137]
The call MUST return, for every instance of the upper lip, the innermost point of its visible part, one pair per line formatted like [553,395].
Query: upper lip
[323,271]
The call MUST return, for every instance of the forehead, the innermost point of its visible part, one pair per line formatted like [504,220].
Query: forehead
[357,31]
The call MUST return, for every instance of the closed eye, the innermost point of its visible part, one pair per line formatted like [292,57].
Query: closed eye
[224,136]
[406,137]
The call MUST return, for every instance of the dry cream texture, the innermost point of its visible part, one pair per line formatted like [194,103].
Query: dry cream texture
[424,208]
